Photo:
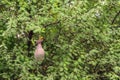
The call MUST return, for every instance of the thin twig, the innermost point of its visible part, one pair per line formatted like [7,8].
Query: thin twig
[115,17]
[51,23]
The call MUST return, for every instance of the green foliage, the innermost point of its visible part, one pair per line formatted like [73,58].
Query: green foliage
[81,39]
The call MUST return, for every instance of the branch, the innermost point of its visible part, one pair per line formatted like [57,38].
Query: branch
[115,17]
[51,24]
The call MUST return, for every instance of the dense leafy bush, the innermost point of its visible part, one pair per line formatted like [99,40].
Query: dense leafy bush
[82,39]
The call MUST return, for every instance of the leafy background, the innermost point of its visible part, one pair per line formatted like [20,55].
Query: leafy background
[81,39]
